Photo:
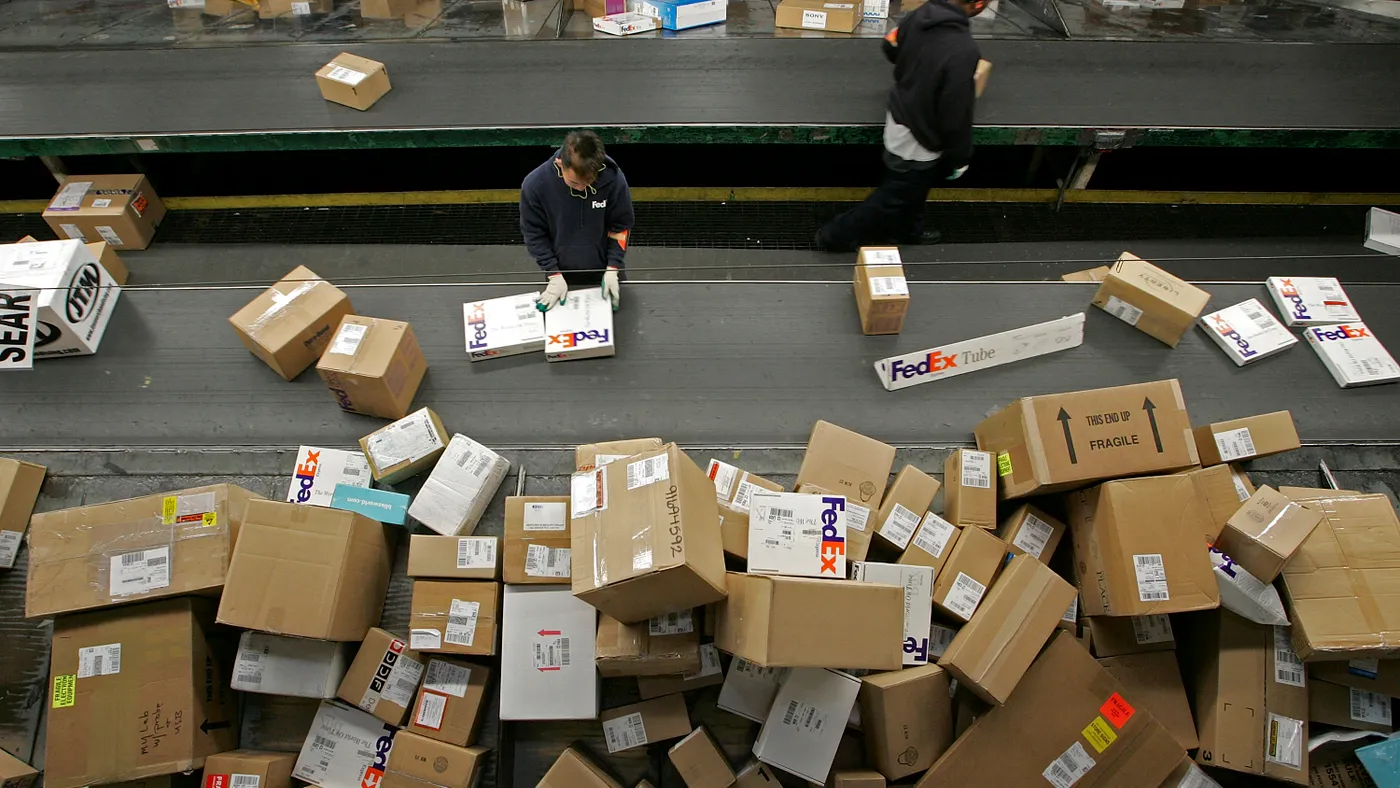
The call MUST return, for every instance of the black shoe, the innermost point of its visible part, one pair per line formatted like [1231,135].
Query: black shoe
[925,238]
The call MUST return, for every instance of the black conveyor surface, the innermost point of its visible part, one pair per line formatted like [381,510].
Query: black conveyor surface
[706,364]
[729,82]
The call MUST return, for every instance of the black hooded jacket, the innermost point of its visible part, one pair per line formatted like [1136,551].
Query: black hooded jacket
[568,230]
[933,96]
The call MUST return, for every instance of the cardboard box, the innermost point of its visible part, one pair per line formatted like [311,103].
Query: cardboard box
[579,328]
[1138,550]
[756,774]
[685,14]
[1030,531]
[1381,676]
[15,773]
[1353,355]
[150,664]
[111,261]
[272,769]
[320,471]
[574,770]
[1088,732]
[307,571]
[861,778]
[820,15]
[972,565]
[969,492]
[226,7]
[1154,680]
[1337,585]
[907,719]
[277,723]
[662,646]
[979,76]
[460,487]
[710,674]
[454,557]
[383,679]
[1382,231]
[69,313]
[932,544]
[547,653]
[1151,300]
[1311,300]
[939,639]
[1224,489]
[1096,274]
[1247,438]
[1247,332]
[1188,775]
[346,748]
[649,527]
[357,82]
[19,490]
[122,210]
[597,8]
[1266,532]
[591,455]
[1115,636]
[749,689]
[163,545]
[1058,442]
[499,327]
[289,325]
[917,582]
[993,651]
[299,667]
[769,621]
[1348,707]
[642,723]
[804,727]
[700,761]
[974,355]
[1250,707]
[882,292]
[274,9]
[537,541]
[373,367]
[847,463]
[797,535]
[435,762]
[452,701]
[405,448]
[900,512]
[734,489]
[455,617]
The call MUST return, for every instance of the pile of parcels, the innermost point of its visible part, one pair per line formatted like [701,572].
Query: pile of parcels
[1104,599]
[626,17]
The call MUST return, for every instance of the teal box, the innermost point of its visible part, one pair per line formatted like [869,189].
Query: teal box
[381,505]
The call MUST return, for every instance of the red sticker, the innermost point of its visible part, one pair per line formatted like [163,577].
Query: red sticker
[1116,710]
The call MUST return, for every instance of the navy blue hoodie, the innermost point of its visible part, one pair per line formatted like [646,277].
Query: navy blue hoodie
[568,230]
[934,93]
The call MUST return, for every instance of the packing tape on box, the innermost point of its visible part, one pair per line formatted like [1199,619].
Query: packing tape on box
[140,562]
[280,302]
[1284,512]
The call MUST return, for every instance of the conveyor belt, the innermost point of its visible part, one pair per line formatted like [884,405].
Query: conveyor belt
[704,363]
[727,90]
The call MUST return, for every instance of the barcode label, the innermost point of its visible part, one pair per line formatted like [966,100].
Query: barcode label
[70,197]
[431,707]
[1370,707]
[1123,310]
[899,527]
[100,661]
[962,599]
[402,683]
[551,652]
[139,572]
[744,496]
[425,639]
[476,552]
[805,718]
[1033,535]
[625,732]
[723,475]
[1288,668]
[1235,444]
[1241,491]
[1284,741]
[709,663]
[447,678]
[1365,668]
[9,548]
[1151,577]
[588,492]
[541,561]
[889,286]
[781,514]
[245,780]
[857,516]
[672,624]
[347,76]
[1066,770]
[934,535]
[977,469]
[939,639]
[348,338]
[1072,612]
[648,471]
[461,623]
[1152,629]
[546,516]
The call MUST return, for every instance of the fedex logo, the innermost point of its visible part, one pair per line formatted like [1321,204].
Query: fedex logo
[578,337]
[832,544]
[1289,291]
[935,362]
[1228,331]
[918,647]
[1340,332]
[476,325]
[375,771]
[306,475]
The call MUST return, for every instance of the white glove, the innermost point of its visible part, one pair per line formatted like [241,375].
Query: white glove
[554,294]
[612,290]
[958,173]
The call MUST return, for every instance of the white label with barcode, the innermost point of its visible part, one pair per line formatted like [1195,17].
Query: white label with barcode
[1072,612]
[431,708]
[857,516]
[805,718]
[723,475]
[882,257]
[1151,577]
[541,561]
[1033,535]
[546,517]
[1066,770]
[248,667]
[304,9]
[109,234]
[977,469]
[934,534]
[1371,707]
[241,780]
[604,459]
[1283,741]
[1123,310]
[1235,444]
[425,639]
[348,338]
[625,732]
[962,599]
[1152,629]
[552,652]
[939,639]
[1366,668]
[399,687]
[709,663]
[348,76]
[408,439]
[100,661]
[1288,668]
[321,754]
[9,548]
[889,286]
[73,231]
[1241,491]
[744,496]
[672,624]
[586,492]
[476,552]
[814,20]
[139,572]
[648,471]
[447,678]
[105,202]
[899,526]
[70,197]
[461,622]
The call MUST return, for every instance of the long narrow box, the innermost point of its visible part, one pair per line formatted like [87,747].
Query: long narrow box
[971,355]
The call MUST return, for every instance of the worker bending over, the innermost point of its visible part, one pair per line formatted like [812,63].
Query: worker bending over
[576,214]
[928,126]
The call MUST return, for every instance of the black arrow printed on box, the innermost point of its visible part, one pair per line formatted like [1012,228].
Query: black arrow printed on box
[1064,419]
[207,726]
[1152,419]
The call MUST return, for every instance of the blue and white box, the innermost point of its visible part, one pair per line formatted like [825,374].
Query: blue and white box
[685,14]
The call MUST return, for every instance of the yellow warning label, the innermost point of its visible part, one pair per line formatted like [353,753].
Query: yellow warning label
[1003,464]
[210,519]
[65,691]
[1100,734]
[168,507]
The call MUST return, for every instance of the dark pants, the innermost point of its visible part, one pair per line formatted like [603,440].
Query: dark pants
[892,214]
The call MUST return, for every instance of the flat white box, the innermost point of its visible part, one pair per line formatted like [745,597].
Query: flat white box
[749,689]
[1353,355]
[506,326]
[459,489]
[1247,332]
[345,747]
[1383,231]
[548,648]
[804,726]
[299,667]
[876,9]
[993,350]
[581,327]
[318,471]
[74,295]
[624,24]
[797,534]
[917,582]
[1311,300]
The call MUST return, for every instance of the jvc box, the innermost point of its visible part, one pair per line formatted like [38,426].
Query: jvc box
[581,327]
[1311,300]
[505,326]
[797,534]
[971,355]
[67,298]
[1353,355]
[1247,332]
[318,472]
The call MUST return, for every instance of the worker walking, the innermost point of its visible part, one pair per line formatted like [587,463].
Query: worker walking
[928,126]
[576,215]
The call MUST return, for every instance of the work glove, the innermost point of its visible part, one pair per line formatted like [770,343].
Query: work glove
[554,294]
[958,173]
[612,290]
